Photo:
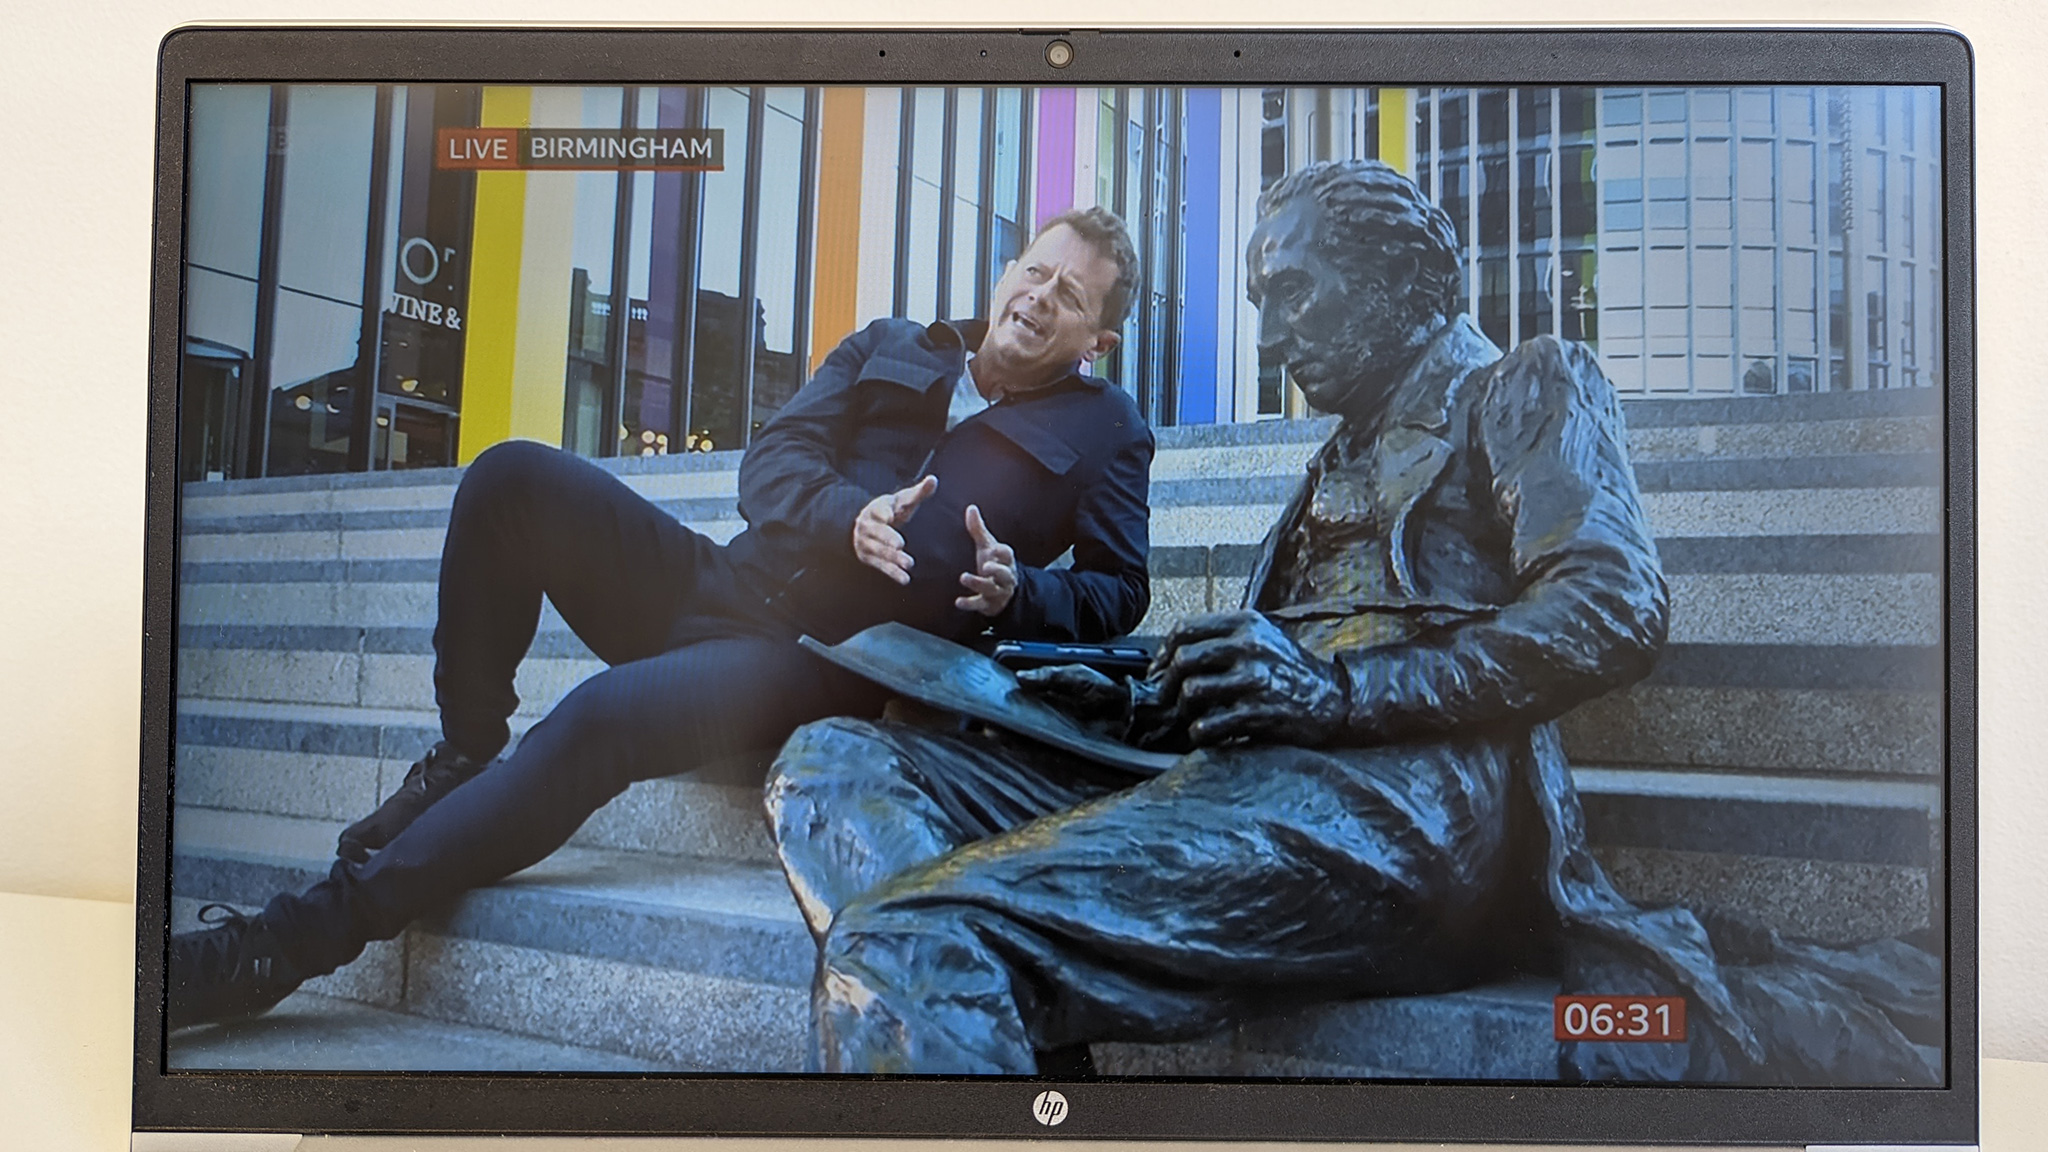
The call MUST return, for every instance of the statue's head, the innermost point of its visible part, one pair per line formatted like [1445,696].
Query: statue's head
[1352,270]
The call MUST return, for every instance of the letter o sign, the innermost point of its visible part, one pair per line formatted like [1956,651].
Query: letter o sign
[406,261]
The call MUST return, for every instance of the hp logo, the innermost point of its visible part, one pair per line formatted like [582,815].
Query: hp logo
[1049,1108]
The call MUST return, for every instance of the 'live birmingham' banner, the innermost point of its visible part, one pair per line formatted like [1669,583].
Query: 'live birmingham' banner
[582,149]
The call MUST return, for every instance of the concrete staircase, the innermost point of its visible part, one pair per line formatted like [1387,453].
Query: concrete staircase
[1783,760]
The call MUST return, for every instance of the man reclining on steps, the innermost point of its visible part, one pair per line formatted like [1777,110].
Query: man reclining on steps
[1372,798]
[991,429]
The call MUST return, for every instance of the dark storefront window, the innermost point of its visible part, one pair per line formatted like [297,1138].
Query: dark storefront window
[426,285]
[326,274]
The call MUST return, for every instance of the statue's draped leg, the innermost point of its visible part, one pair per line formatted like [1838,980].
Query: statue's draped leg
[1239,879]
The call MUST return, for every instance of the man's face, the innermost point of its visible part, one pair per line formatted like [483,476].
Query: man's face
[1046,311]
[1342,341]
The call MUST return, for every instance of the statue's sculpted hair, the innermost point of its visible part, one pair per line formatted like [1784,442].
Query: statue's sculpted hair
[1378,220]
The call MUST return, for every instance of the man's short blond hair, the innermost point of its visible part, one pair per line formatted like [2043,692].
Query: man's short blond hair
[1105,230]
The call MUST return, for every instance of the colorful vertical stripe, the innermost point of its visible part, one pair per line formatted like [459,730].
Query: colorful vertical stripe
[1055,182]
[491,336]
[836,282]
[1397,129]
[1202,225]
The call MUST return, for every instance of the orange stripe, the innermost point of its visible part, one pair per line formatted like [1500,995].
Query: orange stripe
[838,261]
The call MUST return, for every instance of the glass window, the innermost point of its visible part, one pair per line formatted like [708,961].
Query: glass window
[1753,106]
[224,206]
[1757,284]
[927,169]
[778,369]
[1532,114]
[1906,222]
[1666,276]
[1667,374]
[220,309]
[1621,160]
[1877,316]
[1621,279]
[1451,123]
[426,276]
[964,269]
[1754,170]
[1667,107]
[1795,108]
[716,392]
[723,195]
[593,306]
[1621,108]
[1873,198]
[312,378]
[1667,214]
[322,242]
[323,230]
[1711,275]
[1664,166]
[1801,284]
[1535,296]
[1493,201]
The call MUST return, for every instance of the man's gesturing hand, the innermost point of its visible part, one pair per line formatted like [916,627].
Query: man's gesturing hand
[1236,675]
[994,579]
[875,539]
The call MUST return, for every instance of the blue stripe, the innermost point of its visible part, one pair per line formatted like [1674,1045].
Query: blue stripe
[1200,226]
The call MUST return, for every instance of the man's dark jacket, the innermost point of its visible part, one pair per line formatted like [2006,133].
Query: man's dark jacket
[1063,466]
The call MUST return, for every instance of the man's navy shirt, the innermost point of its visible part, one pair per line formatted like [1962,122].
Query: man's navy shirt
[1063,466]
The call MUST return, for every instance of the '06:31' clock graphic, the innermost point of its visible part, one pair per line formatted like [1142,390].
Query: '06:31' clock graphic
[1654,1019]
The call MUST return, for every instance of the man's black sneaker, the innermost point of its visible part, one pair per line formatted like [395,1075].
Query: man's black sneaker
[231,969]
[433,776]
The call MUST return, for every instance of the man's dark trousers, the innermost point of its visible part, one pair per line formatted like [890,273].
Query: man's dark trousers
[700,668]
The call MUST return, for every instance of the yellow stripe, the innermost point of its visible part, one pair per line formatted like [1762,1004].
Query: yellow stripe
[541,360]
[837,280]
[1397,129]
[491,330]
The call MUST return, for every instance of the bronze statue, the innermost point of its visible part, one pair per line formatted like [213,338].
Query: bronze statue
[1370,796]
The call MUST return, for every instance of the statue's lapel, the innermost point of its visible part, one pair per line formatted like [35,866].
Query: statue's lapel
[1262,568]
[1408,458]
[1413,452]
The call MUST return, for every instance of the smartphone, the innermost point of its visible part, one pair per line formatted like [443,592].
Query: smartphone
[1109,659]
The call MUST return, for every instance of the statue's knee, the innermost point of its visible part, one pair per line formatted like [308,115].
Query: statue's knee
[824,760]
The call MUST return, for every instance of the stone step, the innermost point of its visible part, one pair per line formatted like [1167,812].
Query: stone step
[1878,471]
[1708,516]
[1797,730]
[1835,642]
[314,1033]
[692,963]
[1838,424]
[687,964]
[1840,607]
[336,764]
[1494,1032]
[303,763]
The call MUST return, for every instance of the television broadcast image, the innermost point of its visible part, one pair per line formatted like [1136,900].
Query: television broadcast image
[1406,584]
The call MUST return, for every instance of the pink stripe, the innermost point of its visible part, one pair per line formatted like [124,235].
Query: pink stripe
[1055,153]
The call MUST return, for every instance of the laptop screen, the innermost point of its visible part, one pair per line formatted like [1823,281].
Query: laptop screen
[1177,577]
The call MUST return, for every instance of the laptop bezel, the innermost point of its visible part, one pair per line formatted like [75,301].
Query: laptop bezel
[1250,1109]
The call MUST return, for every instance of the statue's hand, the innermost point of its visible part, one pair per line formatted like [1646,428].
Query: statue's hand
[1237,676]
[1082,693]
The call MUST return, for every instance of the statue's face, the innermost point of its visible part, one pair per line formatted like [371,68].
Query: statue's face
[1344,341]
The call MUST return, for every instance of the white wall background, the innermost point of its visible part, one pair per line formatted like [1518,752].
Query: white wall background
[77,94]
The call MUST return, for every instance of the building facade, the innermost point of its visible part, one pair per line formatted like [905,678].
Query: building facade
[352,305]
